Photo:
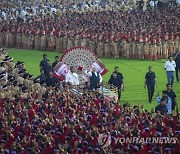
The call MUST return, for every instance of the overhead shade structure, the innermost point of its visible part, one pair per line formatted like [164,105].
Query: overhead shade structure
[82,59]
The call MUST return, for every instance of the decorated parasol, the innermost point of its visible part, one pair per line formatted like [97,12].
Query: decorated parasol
[82,59]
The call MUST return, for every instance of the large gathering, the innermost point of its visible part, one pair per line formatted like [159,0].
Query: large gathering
[72,107]
[133,33]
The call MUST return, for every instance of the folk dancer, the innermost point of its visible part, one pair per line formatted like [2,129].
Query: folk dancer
[164,39]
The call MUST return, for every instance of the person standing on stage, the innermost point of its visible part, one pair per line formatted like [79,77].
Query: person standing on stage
[72,77]
[177,60]
[150,82]
[170,66]
[95,79]
[116,80]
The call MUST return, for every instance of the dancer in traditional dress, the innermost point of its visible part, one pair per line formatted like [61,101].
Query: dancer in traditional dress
[19,37]
[37,40]
[64,41]
[133,47]
[171,47]
[51,42]
[139,45]
[164,39]
[159,47]
[43,40]
[30,41]
[115,47]
[176,41]
[151,47]
[100,46]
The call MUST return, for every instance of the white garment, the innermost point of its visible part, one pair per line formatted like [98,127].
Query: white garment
[152,3]
[3,14]
[90,74]
[72,78]
[75,7]
[170,66]
[53,10]
[23,13]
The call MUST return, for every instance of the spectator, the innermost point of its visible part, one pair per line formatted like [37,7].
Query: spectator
[169,101]
[172,95]
[48,120]
[86,87]
[43,119]
[162,108]
[129,27]
[51,81]
[42,76]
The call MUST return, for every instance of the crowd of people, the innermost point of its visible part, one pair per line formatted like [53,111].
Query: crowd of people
[42,115]
[37,117]
[109,32]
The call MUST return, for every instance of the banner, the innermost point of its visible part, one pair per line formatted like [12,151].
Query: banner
[61,70]
[99,66]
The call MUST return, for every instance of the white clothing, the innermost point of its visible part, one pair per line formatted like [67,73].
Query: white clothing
[170,66]
[3,14]
[53,10]
[23,13]
[72,78]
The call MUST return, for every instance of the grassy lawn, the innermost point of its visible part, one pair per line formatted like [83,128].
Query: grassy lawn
[132,70]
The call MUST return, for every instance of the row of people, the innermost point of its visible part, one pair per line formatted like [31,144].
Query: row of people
[29,8]
[152,34]
[130,46]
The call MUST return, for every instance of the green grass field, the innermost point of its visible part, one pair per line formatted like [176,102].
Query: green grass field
[132,70]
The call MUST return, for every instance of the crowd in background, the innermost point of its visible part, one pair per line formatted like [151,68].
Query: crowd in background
[109,31]
[40,118]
